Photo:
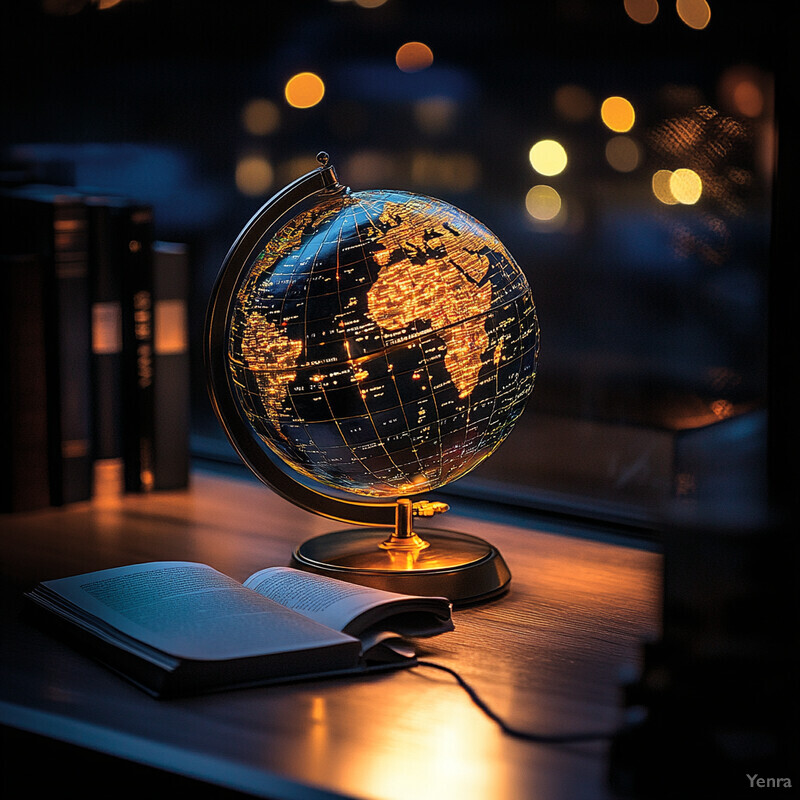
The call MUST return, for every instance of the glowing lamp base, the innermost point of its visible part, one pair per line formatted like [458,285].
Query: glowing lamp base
[463,568]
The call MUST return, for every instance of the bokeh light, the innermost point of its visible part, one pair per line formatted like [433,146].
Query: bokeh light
[574,103]
[548,157]
[413,57]
[617,114]
[543,203]
[254,175]
[745,91]
[435,115]
[661,188]
[642,11]
[686,186]
[623,153]
[260,116]
[304,90]
[694,13]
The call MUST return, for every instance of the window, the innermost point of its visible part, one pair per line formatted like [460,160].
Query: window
[622,151]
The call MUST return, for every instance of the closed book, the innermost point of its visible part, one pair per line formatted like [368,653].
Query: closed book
[51,222]
[106,253]
[136,231]
[171,367]
[23,390]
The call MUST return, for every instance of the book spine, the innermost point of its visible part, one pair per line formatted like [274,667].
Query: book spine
[106,301]
[171,367]
[137,348]
[23,390]
[72,451]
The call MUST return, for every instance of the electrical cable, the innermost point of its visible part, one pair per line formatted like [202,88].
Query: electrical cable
[564,738]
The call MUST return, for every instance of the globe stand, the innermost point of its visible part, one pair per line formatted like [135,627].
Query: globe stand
[463,568]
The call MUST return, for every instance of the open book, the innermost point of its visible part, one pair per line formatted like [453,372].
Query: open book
[178,628]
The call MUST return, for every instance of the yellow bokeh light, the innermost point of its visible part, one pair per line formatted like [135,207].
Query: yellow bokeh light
[642,11]
[548,157]
[623,153]
[686,186]
[260,116]
[304,90]
[543,203]
[617,114]
[254,175]
[661,188]
[413,57]
[694,13]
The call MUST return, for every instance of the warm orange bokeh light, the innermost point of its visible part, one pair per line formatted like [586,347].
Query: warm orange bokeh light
[617,113]
[694,13]
[642,11]
[574,103]
[254,175]
[260,116]
[304,90]
[413,57]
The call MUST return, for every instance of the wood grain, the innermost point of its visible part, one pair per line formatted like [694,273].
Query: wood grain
[549,656]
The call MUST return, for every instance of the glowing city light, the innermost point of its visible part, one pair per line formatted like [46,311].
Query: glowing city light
[413,57]
[694,13]
[304,90]
[260,116]
[660,186]
[548,157]
[683,186]
[642,11]
[623,153]
[574,103]
[543,203]
[254,175]
[686,186]
[617,114]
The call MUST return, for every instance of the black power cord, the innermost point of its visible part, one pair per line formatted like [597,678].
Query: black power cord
[564,738]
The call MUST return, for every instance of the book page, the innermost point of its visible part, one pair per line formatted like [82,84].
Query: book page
[191,611]
[327,600]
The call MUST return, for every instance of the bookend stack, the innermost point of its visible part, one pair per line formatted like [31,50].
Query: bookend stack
[95,351]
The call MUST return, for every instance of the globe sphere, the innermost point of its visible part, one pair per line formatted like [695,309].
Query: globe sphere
[382,343]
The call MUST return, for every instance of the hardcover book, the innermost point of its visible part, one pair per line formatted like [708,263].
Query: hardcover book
[51,223]
[23,389]
[180,628]
[136,230]
[171,366]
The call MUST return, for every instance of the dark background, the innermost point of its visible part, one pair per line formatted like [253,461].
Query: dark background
[654,318]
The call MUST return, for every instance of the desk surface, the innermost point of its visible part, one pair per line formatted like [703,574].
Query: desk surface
[549,656]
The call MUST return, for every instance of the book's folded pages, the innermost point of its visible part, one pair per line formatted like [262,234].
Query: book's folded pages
[178,628]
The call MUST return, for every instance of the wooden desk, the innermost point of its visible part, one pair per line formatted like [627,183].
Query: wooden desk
[551,656]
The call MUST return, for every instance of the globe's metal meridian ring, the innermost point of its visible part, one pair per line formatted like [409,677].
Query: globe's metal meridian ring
[321,182]
[464,568]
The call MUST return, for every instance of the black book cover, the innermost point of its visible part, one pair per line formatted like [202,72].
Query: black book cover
[106,253]
[171,373]
[23,390]
[138,415]
[52,223]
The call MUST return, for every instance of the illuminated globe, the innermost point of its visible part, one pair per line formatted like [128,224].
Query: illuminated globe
[383,343]
[364,348]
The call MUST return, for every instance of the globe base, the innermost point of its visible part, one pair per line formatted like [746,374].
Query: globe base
[463,568]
